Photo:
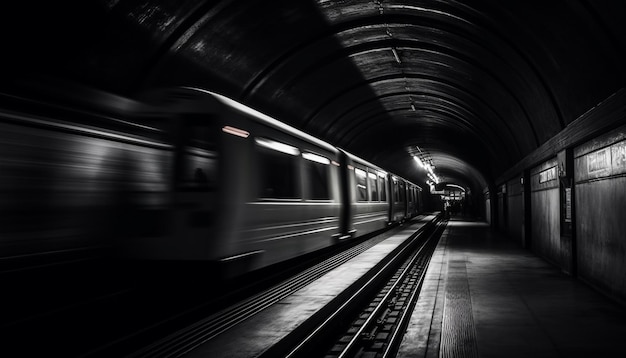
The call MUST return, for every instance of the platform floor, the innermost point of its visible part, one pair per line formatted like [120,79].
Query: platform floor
[485,296]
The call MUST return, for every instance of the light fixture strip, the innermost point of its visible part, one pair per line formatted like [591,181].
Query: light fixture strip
[277,146]
[235,131]
[395,54]
[316,158]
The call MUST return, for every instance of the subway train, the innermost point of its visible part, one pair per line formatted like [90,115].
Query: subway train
[182,174]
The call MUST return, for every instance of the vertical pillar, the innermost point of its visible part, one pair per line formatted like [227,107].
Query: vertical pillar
[493,201]
[565,160]
[503,207]
[526,207]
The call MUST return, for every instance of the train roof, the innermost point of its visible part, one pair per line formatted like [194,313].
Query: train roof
[211,100]
[361,160]
[265,119]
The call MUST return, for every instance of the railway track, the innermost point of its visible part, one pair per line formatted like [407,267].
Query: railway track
[193,335]
[376,314]
[378,329]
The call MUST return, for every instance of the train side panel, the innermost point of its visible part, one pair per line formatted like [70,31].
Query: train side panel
[71,185]
[283,196]
[368,197]
[413,197]
[398,199]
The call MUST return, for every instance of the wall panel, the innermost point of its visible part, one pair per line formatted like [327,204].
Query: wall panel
[515,210]
[545,212]
[600,175]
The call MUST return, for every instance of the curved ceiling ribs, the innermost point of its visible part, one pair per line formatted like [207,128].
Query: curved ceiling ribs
[448,117]
[413,79]
[366,49]
[420,99]
[478,84]
[446,59]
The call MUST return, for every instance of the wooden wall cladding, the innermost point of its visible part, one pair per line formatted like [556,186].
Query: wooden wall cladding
[600,212]
[545,211]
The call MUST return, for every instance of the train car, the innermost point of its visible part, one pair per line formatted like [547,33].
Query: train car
[182,174]
[398,198]
[275,192]
[367,208]
[407,199]
[69,174]
[413,195]
[280,192]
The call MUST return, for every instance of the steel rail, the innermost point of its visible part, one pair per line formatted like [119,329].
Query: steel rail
[352,344]
[357,296]
[396,336]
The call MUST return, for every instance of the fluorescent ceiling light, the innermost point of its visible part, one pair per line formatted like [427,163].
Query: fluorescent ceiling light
[456,186]
[395,54]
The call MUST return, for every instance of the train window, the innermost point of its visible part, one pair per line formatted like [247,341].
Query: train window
[396,191]
[316,171]
[382,181]
[199,170]
[277,165]
[372,179]
[196,167]
[361,184]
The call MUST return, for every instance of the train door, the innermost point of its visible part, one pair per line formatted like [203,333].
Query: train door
[194,192]
[412,201]
[383,190]
[398,210]
[346,195]
[403,199]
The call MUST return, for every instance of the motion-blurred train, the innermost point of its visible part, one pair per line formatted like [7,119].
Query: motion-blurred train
[182,174]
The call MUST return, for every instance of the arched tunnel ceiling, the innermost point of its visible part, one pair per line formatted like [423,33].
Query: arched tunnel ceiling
[477,85]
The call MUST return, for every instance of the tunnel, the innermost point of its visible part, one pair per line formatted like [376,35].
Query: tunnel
[511,113]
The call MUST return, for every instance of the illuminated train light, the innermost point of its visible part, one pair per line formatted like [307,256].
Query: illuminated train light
[277,146]
[360,172]
[236,131]
[316,158]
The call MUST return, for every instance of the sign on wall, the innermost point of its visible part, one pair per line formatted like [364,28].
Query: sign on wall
[547,175]
[618,152]
[605,162]
[599,162]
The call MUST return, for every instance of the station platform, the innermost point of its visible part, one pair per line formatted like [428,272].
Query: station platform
[485,296]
